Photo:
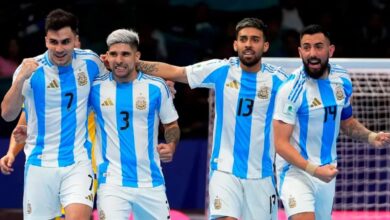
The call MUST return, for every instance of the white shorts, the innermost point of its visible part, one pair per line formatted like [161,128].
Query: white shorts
[47,189]
[300,192]
[242,198]
[118,202]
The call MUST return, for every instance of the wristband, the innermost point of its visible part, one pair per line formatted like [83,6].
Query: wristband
[371,137]
[311,168]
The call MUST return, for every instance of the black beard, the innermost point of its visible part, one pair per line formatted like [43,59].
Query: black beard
[316,74]
[250,63]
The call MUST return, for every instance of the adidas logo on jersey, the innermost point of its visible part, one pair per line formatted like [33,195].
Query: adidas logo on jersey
[315,103]
[53,85]
[233,84]
[107,102]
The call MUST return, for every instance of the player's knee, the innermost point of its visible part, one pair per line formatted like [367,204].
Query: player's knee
[78,212]
[303,216]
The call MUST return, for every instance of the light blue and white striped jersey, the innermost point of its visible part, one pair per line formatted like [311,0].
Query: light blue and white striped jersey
[244,102]
[56,105]
[127,121]
[315,108]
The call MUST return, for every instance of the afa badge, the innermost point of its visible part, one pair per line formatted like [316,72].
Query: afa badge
[264,92]
[102,215]
[217,203]
[339,93]
[140,103]
[82,79]
[29,209]
[291,202]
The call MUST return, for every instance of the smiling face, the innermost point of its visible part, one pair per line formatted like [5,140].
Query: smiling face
[122,59]
[250,46]
[315,51]
[60,44]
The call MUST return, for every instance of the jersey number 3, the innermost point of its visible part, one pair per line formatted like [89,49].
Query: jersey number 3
[125,119]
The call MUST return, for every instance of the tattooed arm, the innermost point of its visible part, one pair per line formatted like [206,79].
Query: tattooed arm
[164,70]
[172,137]
[356,130]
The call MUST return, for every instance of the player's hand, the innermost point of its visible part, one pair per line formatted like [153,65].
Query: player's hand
[6,164]
[20,134]
[171,86]
[381,140]
[29,65]
[326,173]
[166,151]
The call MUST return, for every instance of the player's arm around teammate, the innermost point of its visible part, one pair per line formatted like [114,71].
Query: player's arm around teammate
[164,70]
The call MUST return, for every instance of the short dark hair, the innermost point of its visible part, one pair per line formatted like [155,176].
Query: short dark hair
[315,29]
[252,22]
[59,18]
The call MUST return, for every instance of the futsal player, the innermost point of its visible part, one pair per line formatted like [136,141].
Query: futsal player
[311,107]
[241,177]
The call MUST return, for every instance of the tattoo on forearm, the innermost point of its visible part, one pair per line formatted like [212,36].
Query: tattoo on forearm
[172,134]
[148,68]
[356,131]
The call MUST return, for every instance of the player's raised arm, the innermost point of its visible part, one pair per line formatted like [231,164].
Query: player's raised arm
[164,70]
[13,99]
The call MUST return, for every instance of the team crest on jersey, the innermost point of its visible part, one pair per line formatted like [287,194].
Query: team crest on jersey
[102,215]
[217,203]
[29,209]
[291,202]
[339,93]
[264,92]
[140,103]
[82,79]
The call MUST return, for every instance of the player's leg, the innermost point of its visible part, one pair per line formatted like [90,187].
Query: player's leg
[151,203]
[297,194]
[324,199]
[114,202]
[260,199]
[40,197]
[226,196]
[76,191]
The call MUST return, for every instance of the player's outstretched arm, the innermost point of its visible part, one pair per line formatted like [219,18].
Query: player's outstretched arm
[356,130]
[15,146]
[163,70]
[172,137]
[282,135]
[13,99]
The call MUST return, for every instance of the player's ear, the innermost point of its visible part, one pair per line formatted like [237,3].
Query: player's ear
[332,48]
[266,46]
[137,55]
[235,46]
